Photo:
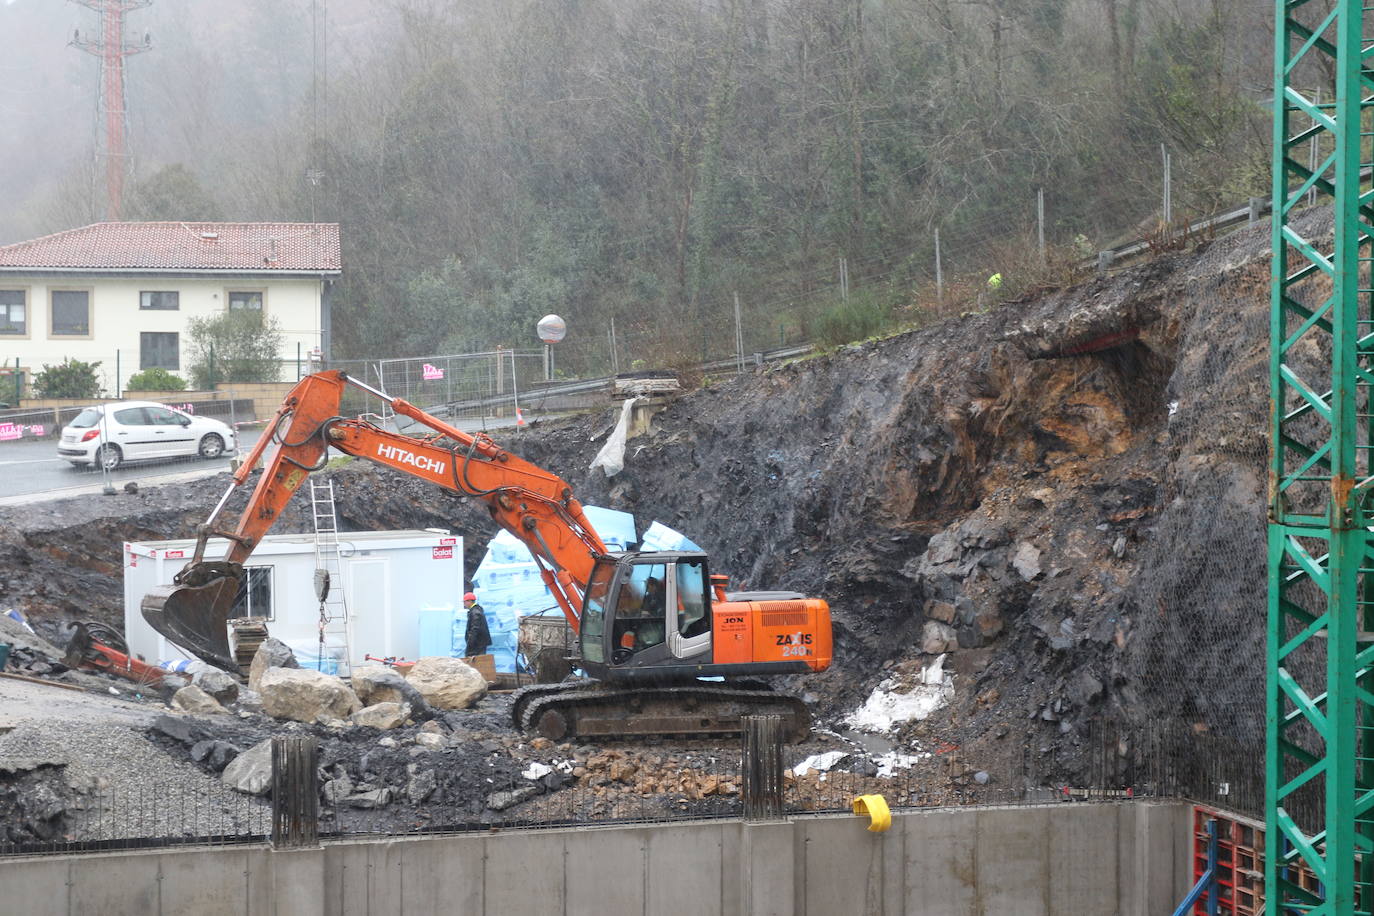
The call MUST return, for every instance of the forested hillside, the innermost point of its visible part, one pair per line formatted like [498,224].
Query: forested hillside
[646,160]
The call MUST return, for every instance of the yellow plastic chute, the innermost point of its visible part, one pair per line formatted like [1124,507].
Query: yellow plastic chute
[875,806]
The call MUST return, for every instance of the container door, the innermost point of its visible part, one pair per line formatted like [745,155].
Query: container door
[369,608]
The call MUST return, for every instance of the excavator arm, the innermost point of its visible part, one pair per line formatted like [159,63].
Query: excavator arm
[531,503]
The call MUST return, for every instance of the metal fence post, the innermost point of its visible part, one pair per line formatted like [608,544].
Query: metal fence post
[295,791]
[939,273]
[761,767]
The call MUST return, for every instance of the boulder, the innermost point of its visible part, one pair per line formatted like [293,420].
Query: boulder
[382,715]
[249,700]
[942,611]
[430,740]
[937,638]
[376,798]
[220,685]
[421,786]
[447,683]
[214,754]
[197,702]
[251,771]
[187,731]
[273,653]
[305,695]
[500,801]
[377,684]
[337,790]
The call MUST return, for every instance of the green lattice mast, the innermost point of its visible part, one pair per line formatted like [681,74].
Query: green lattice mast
[1319,692]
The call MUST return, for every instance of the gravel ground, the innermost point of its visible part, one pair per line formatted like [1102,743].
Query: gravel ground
[88,780]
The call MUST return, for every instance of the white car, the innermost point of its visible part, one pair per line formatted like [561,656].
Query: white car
[110,434]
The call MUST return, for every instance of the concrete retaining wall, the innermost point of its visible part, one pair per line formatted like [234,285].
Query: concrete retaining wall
[1072,860]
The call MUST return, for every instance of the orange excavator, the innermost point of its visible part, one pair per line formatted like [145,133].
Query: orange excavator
[649,625]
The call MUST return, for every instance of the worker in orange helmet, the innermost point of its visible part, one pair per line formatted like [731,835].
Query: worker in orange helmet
[478,637]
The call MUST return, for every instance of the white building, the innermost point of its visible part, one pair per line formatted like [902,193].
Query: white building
[122,293]
[389,578]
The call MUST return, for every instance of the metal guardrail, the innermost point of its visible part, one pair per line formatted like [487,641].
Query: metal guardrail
[602,383]
[1250,213]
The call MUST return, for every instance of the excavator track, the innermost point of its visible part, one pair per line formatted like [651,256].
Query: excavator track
[563,712]
[521,697]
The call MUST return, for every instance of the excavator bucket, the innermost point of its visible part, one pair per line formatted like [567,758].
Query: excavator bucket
[195,614]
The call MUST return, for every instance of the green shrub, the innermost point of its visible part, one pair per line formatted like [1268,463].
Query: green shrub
[238,346]
[864,315]
[155,380]
[71,379]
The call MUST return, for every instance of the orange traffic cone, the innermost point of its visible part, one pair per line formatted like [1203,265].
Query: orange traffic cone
[519,417]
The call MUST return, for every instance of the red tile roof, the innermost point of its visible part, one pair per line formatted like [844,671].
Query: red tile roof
[256,247]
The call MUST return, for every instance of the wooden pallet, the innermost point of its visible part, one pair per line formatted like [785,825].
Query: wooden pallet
[249,634]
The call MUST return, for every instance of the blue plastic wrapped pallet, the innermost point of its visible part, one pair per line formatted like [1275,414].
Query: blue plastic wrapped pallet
[508,584]
[436,630]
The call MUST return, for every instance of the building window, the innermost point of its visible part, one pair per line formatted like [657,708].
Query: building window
[245,299]
[159,301]
[159,350]
[13,312]
[71,313]
[255,593]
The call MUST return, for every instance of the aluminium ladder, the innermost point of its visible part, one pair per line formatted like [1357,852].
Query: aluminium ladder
[334,642]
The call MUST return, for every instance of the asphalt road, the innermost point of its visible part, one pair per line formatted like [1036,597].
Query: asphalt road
[31,470]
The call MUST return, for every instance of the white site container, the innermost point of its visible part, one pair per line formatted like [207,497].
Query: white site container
[388,576]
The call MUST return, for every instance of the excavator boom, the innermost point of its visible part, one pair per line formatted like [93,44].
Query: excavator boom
[533,504]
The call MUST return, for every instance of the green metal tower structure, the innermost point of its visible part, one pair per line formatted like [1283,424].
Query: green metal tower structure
[1320,693]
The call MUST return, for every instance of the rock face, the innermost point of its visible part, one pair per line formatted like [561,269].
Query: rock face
[382,715]
[938,638]
[193,700]
[305,695]
[217,684]
[447,683]
[273,653]
[251,771]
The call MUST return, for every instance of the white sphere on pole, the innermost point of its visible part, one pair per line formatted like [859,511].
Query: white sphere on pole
[552,329]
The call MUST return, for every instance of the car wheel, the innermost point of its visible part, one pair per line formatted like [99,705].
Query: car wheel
[211,446]
[109,457]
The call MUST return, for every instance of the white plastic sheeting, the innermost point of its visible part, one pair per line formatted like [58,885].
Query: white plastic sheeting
[890,704]
[611,458]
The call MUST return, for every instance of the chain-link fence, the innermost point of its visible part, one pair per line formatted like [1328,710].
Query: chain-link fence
[467,386]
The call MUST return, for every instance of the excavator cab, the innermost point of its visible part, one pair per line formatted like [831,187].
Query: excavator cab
[647,614]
